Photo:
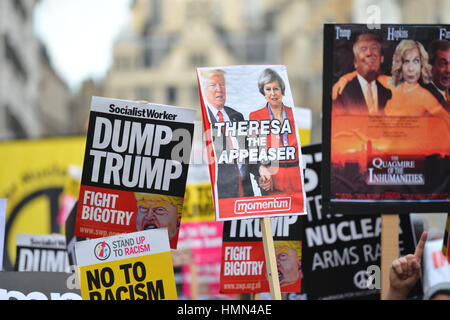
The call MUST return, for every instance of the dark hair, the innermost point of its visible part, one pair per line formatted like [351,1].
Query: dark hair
[436,45]
[443,291]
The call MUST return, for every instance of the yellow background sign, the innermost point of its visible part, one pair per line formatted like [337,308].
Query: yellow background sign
[32,176]
[132,266]
[140,278]
[198,205]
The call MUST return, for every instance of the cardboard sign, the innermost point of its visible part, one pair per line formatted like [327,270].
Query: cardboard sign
[445,243]
[134,266]
[2,229]
[339,249]
[387,149]
[436,269]
[252,142]
[243,268]
[69,194]
[71,239]
[199,231]
[135,168]
[32,175]
[45,253]
[303,121]
[37,286]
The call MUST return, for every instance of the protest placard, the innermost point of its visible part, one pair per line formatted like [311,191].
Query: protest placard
[2,229]
[44,253]
[243,268]
[70,193]
[386,132]
[436,269]
[252,142]
[445,243]
[133,266]
[32,175]
[201,235]
[340,251]
[36,286]
[135,169]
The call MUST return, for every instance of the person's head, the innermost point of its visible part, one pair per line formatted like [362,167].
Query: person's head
[440,61]
[410,63]
[272,87]
[444,295]
[368,55]
[439,291]
[288,255]
[158,211]
[214,87]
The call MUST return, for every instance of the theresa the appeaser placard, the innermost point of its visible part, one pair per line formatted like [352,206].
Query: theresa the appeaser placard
[253,145]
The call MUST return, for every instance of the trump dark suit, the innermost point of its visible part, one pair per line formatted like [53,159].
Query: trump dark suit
[227,174]
[352,101]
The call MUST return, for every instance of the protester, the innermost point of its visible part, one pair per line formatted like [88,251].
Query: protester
[406,271]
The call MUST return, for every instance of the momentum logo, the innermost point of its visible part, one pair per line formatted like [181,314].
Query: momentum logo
[262,205]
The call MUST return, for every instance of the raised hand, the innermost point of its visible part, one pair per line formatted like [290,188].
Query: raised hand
[405,271]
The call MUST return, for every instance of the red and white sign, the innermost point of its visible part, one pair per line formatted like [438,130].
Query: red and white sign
[253,146]
[135,168]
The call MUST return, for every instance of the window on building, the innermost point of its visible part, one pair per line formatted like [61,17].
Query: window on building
[13,124]
[195,95]
[156,12]
[198,60]
[256,48]
[142,93]
[252,13]
[20,8]
[13,57]
[198,9]
[171,95]
[148,58]
[122,63]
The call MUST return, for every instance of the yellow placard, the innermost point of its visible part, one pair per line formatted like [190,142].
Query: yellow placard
[198,205]
[303,122]
[32,176]
[305,136]
[140,278]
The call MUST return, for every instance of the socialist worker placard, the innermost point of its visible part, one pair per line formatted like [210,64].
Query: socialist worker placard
[253,146]
[135,168]
[386,121]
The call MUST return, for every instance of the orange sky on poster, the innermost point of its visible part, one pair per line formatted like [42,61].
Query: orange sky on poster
[387,135]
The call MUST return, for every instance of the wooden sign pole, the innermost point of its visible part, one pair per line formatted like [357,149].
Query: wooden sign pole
[255,296]
[389,248]
[194,281]
[271,261]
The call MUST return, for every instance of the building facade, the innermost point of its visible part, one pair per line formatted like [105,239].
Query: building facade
[19,63]
[34,101]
